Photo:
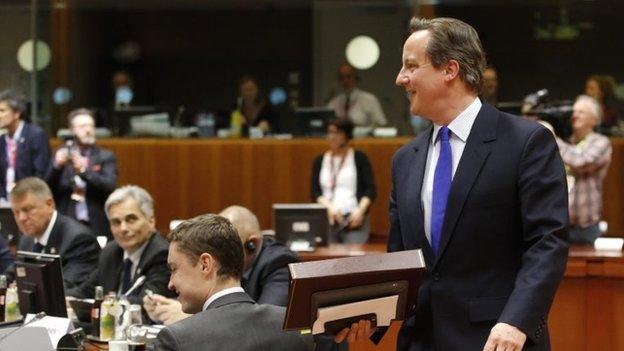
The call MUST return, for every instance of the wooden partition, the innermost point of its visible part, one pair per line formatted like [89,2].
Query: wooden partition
[194,176]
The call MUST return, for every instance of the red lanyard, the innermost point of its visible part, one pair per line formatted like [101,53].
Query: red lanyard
[334,174]
[11,151]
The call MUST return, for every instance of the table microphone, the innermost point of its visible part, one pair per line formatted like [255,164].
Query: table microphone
[137,283]
[37,317]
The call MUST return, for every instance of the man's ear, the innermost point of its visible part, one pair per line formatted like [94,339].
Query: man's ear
[207,263]
[451,70]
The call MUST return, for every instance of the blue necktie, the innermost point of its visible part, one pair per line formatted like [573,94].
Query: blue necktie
[441,186]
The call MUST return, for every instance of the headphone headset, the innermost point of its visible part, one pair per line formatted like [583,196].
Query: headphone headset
[250,246]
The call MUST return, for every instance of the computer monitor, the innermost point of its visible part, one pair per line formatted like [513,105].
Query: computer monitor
[312,121]
[40,283]
[8,227]
[296,223]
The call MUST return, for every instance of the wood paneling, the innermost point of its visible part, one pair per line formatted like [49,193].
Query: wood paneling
[191,177]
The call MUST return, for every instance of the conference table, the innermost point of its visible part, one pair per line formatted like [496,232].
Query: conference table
[188,177]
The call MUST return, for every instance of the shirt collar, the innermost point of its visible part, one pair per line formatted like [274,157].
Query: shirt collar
[462,124]
[18,132]
[43,240]
[221,293]
[135,257]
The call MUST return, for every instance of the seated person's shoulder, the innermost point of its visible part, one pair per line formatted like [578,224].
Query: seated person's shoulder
[276,251]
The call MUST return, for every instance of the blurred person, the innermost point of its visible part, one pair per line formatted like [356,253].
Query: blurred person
[489,90]
[587,156]
[206,260]
[602,88]
[47,231]
[24,149]
[360,107]
[255,110]
[342,181]
[82,175]
[266,278]
[138,249]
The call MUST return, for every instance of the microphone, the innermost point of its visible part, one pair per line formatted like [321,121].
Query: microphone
[137,283]
[37,317]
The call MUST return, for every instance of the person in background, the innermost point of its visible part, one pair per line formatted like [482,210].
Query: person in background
[489,91]
[360,107]
[138,249]
[266,277]
[206,259]
[342,180]
[47,231]
[254,109]
[83,175]
[587,156]
[602,88]
[24,149]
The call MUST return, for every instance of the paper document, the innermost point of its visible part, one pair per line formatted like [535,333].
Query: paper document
[383,307]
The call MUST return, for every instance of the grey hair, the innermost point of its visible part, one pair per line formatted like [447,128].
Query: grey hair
[140,195]
[594,104]
[31,185]
[15,100]
[452,39]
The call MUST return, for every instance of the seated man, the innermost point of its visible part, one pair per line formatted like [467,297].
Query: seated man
[586,157]
[266,277]
[83,174]
[47,231]
[206,261]
[138,250]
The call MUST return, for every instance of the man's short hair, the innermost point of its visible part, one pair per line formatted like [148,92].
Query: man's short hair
[595,105]
[140,195]
[31,185]
[214,235]
[78,112]
[15,100]
[452,39]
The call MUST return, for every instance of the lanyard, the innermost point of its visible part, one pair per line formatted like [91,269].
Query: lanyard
[333,174]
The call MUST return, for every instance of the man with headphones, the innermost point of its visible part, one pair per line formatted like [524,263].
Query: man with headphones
[359,106]
[265,278]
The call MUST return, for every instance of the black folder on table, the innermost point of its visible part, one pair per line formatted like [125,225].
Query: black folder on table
[339,291]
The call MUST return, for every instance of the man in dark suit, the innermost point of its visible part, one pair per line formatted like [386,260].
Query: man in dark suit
[138,249]
[483,194]
[24,149]
[206,260]
[45,230]
[266,278]
[82,174]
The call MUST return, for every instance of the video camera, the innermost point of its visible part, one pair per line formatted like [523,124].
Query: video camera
[555,112]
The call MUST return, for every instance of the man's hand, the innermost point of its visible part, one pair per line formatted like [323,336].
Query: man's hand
[505,337]
[360,331]
[159,308]
[60,158]
[79,162]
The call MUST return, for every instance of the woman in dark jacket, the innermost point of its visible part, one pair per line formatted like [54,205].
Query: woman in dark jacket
[342,180]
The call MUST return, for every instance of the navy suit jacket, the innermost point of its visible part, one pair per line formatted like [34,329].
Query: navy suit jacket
[504,244]
[33,155]
[77,246]
[101,179]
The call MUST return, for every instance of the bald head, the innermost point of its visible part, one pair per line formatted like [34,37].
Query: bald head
[245,222]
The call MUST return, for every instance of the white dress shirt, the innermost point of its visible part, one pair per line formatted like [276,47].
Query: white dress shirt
[364,108]
[221,293]
[43,239]
[10,173]
[459,131]
[344,195]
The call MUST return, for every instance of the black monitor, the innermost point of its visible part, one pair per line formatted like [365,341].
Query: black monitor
[40,283]
[312,121]
[8,227]
[296,223]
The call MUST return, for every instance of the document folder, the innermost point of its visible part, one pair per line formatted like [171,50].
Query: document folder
[347,283]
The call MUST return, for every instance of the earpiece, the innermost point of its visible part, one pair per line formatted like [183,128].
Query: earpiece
[250,246]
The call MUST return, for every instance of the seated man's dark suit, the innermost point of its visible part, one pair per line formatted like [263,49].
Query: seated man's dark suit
[153,265]
[232,322]
[268,279]
[33,155]
[503,247]
[77,246]
[101,179]
[6,259]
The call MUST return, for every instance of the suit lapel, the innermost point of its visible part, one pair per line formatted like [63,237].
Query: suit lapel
[473,158]
[54,241]
[414,195]
[22,152]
